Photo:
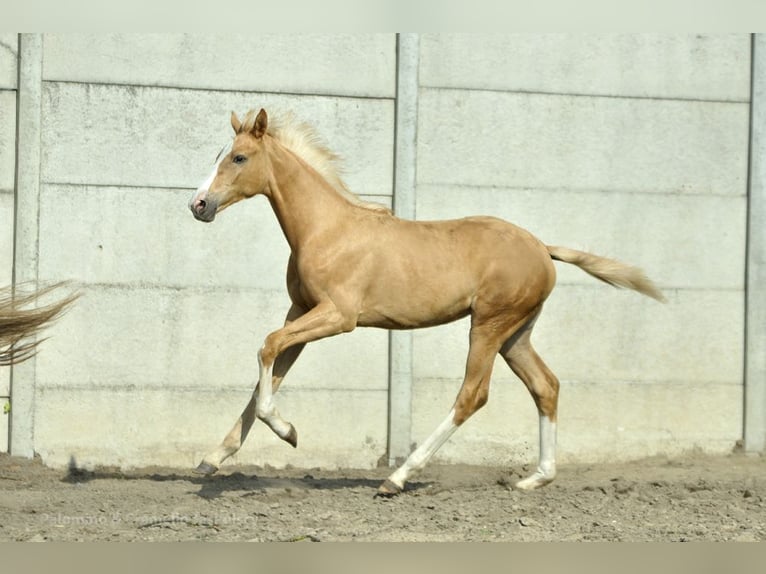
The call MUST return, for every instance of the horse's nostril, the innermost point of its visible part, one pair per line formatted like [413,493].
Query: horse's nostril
[201,205]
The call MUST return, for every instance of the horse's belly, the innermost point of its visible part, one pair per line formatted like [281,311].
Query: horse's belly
[408,312]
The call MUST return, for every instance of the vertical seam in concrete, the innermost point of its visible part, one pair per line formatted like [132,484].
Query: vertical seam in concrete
[755,286]
[26,226]
[405,156]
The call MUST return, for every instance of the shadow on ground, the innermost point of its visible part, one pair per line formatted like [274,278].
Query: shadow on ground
[215,485]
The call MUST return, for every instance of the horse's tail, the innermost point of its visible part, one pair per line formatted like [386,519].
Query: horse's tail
[18,321]
[609,271]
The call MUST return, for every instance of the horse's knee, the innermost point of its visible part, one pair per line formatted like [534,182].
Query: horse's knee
[268,352]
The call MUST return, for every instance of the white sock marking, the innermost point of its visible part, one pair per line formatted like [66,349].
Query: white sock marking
[547,447]
[546,468]
[418,459]
[264,403]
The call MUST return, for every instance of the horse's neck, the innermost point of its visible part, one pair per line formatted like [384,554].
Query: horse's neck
[304,203]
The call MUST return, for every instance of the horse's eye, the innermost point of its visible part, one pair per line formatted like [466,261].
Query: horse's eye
[239,159]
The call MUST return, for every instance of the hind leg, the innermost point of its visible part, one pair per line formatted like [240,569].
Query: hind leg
[544,388]
[472,396]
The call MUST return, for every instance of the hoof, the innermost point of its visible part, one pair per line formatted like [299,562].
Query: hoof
[533,482]
[206,468]
[388,489]
[292,437]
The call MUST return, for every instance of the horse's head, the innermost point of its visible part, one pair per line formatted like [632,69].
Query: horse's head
[241,171]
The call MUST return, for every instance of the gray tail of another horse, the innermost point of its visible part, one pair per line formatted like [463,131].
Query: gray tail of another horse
[609,271]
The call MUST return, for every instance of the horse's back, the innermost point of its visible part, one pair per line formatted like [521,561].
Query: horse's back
[429,272]
[480,244]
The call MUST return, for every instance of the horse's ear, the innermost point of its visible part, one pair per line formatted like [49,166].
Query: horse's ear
[261,123]
[235,123]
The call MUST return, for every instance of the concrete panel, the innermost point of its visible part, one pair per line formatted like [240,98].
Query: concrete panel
[4,426]
[681,241]
[117,135]
[92,234]
[598,334]
[27,247]
[343,64]
[7,167]
[7,139]
[9,60]
[243,247]
[139,427]
[6,278]
[144,338]
[6,238]
[575,143]
[755,335]
[400,342]
[699,66]
[5,387]
[598,422]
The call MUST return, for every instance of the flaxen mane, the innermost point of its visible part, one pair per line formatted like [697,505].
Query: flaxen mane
[303,140]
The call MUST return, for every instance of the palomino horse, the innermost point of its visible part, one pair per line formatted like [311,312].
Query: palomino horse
[354,264]
[19,322]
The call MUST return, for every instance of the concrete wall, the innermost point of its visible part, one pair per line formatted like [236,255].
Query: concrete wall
[631,146]
[8,74]
[159,357]
[634,147]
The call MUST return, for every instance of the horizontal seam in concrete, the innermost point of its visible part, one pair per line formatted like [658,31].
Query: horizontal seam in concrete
[574,190]
[169,188]
[153,187]
[667,289]
[164,387]
[202,289]
[214,90]
[145,286]
[582,95]
[574,382]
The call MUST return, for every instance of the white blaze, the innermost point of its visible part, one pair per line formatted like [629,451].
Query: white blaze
[204,187]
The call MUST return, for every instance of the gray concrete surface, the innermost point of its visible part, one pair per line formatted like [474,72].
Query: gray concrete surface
[632,146]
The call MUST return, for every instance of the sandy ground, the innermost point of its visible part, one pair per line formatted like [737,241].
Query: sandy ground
[687,499]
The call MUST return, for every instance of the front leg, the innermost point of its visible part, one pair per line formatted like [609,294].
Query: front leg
[263,399]
[322,321]
[236,436]
[279,351]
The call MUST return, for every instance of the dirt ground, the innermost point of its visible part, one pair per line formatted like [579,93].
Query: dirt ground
[686,499]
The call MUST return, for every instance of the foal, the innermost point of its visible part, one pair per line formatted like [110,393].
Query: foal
[353,264]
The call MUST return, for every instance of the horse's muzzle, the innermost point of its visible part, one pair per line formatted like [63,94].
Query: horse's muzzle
[203,209]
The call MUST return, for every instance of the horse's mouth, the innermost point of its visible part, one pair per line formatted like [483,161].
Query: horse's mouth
[203,210]
[204,216]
